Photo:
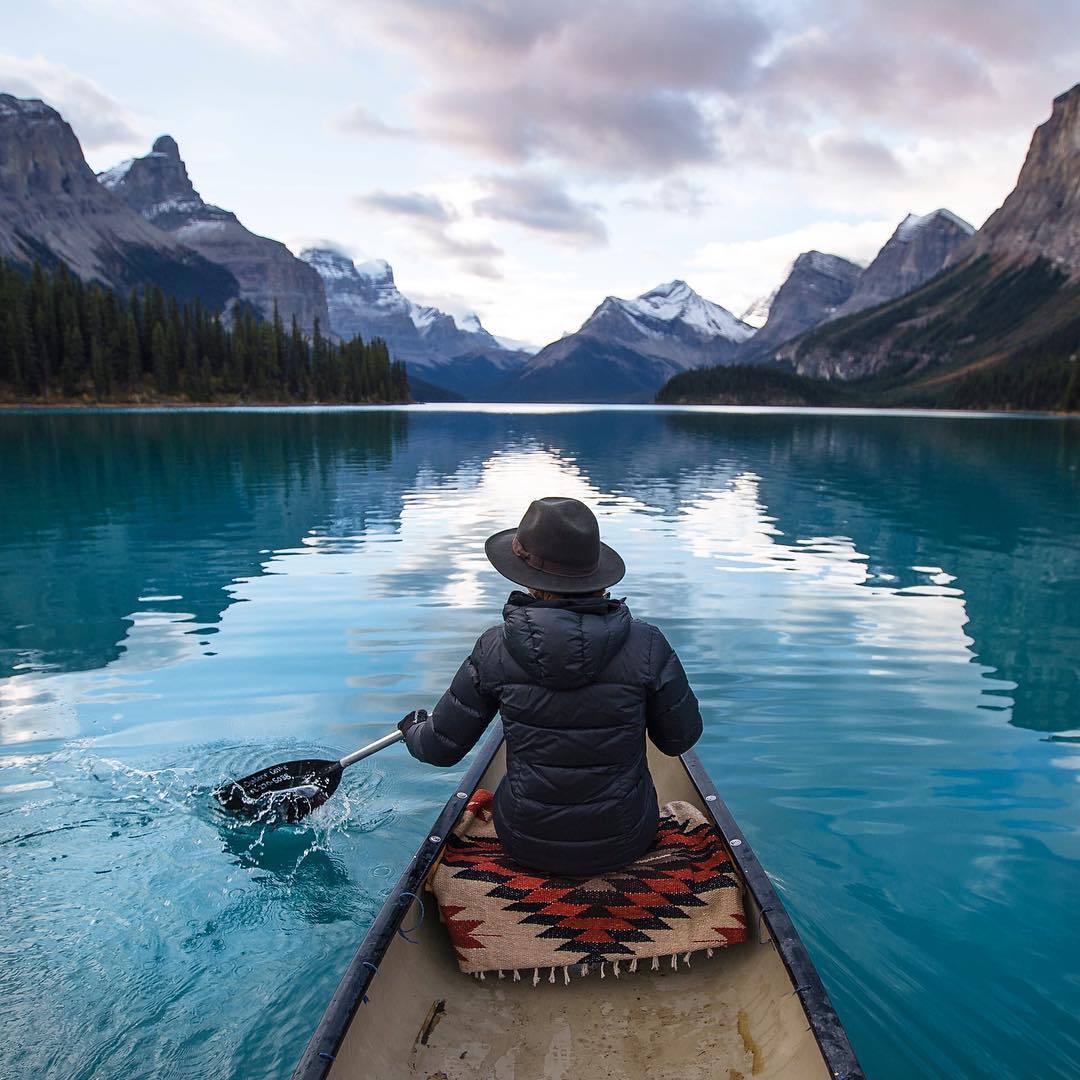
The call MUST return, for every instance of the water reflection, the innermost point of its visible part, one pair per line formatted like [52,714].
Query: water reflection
[863,604]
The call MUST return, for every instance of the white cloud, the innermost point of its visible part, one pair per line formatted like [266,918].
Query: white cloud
[99,120]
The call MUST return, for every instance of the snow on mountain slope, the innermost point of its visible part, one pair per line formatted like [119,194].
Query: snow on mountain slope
[364,294]
[627,349]
[450,352]
[677,302]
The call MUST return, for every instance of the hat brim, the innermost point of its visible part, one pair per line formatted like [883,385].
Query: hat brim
[499,550]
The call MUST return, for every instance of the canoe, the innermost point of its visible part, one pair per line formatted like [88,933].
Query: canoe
[403,1009]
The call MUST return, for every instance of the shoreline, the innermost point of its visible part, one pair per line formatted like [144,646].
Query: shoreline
[80,404]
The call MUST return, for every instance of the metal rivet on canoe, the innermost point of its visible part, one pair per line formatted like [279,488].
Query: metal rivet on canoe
[736,843]
[435,839]
[710,798]
[462,794]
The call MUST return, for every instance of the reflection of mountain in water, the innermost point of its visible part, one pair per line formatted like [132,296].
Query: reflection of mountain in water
[962,495]
[126,506]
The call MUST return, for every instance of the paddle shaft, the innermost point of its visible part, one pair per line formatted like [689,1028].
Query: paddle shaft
[371,748]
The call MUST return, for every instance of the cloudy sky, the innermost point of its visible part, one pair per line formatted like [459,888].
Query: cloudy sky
[524,160]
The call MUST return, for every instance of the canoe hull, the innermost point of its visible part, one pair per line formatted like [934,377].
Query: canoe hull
[755,1008]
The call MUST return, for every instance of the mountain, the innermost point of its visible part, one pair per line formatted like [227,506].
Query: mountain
[158,188]
[1041,216]
[816,287]
[998,326]
[627,349]
[53,210]
[459,357]
[823,287]
[918,249]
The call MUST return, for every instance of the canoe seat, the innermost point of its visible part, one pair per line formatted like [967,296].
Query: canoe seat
[680,897]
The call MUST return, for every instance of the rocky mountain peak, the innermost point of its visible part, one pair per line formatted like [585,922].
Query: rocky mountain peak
[166,144]
[675,302]
[28,108]
[364,299]
[329,262]
[914,224]
[816,286]
[39,153]
[821,262]
[157,187]
[673,290]
[1041,216]
[920,247]
[53,208]
[377,270]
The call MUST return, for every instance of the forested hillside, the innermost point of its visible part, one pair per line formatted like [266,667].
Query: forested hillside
[62,338]
[751,384]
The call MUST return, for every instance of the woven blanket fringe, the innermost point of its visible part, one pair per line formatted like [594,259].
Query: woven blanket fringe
[585,967]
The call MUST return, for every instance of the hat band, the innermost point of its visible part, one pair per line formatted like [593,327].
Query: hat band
[549,567]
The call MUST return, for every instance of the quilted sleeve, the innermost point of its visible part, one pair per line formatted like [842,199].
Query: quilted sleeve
[458,720]
[673,719]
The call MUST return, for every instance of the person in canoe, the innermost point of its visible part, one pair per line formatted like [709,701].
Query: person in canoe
[579,683]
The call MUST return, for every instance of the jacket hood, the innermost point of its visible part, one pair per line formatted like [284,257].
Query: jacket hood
[564,644]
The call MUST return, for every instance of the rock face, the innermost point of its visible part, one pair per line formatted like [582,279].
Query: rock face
[627,349]
[1041,216]
[158,188]
[364,299]
[1010,297]
[919,249]
[53,209]
[816,287]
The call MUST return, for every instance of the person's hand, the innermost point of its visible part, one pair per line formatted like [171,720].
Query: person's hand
[417,716]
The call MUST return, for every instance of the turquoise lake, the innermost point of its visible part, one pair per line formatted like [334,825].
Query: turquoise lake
[880,615]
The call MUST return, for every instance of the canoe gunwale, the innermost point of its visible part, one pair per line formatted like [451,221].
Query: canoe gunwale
[325,1042]
[318,1056]
[829,1032]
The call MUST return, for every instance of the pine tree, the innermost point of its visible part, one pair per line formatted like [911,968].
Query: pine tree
[132,355]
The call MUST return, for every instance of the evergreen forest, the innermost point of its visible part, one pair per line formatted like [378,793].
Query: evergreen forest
[62,339]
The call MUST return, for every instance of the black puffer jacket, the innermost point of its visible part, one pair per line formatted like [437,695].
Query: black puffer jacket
[579,683]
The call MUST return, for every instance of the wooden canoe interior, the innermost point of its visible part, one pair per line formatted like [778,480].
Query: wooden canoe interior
[729,1017]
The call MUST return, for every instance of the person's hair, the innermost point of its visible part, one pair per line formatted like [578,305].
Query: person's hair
[545,594]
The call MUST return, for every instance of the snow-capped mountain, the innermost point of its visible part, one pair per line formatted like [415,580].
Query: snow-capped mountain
[627,349]
[157,187]
[676,305]
[456,354]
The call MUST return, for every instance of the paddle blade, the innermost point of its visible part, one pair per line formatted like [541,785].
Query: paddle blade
[287,791]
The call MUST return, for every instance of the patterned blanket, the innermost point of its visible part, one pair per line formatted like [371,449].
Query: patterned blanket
[680,897]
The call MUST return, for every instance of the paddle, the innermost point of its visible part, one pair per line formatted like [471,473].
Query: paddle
[292,789]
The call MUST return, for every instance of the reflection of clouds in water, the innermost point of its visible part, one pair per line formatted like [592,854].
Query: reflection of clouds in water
[31,710]
[443,527]
[718,559]
[1070,763]
[815,579]
[42,705]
